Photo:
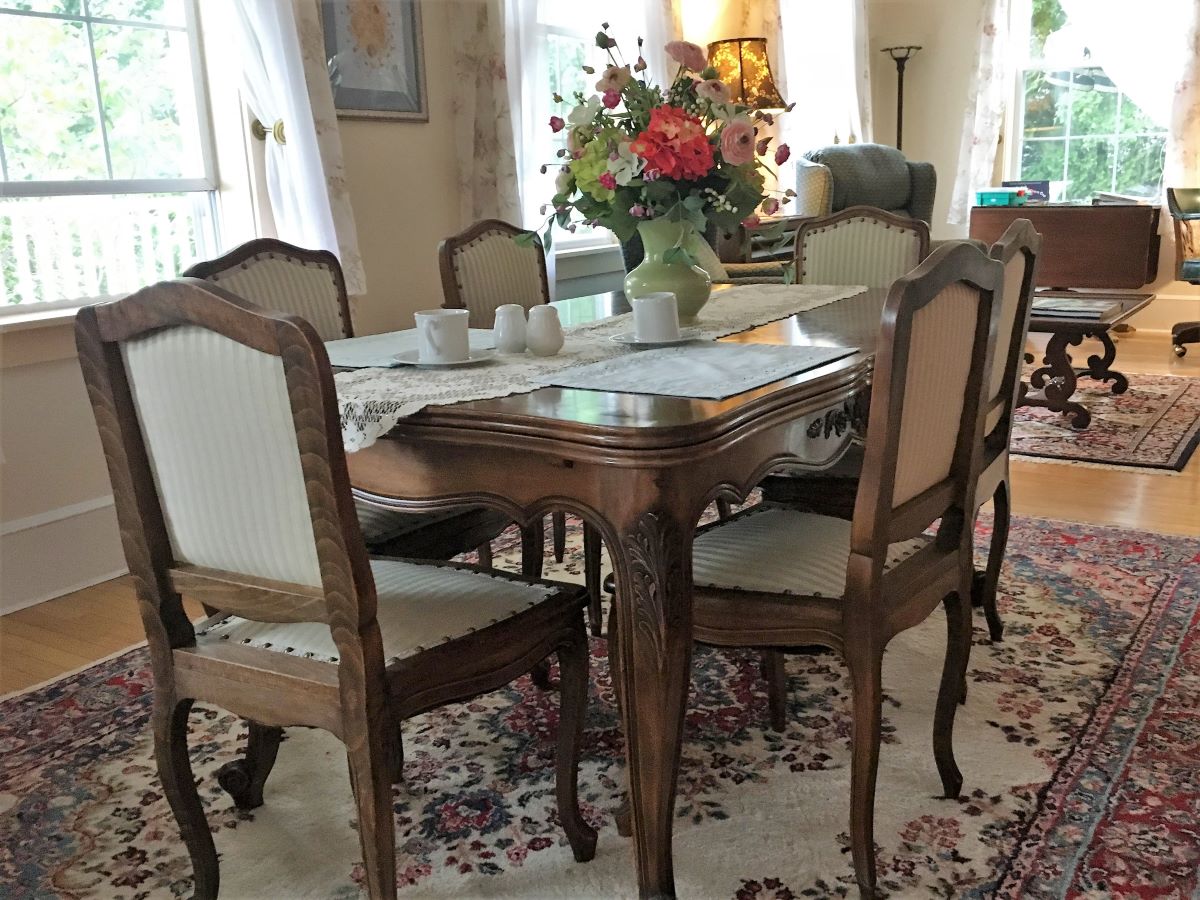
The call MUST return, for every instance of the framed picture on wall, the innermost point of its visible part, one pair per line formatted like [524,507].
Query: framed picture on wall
[376,64]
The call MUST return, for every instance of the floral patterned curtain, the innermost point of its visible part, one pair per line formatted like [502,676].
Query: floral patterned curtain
[986,104]
[482,103]
[1183,147]
[285,78]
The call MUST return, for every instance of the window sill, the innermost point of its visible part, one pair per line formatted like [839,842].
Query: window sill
[46,318]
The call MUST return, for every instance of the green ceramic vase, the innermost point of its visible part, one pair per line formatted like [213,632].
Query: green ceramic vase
[691,285]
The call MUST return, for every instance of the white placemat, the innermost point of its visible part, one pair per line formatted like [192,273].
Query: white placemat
[373,400]
[379,350]
[707,371]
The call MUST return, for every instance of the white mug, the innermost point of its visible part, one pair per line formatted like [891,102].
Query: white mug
[508,332]
[544,335]
[442,336]
[656,317]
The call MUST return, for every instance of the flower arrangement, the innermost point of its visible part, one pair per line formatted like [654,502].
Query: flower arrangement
[636,152]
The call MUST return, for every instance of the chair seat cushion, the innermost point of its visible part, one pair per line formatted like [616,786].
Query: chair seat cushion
[775,550]
[420,606]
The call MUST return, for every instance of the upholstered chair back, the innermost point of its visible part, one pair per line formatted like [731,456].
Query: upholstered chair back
[285,278]
[222,439]
[484,268]
[1017,250]
[925,431]
[844,175]
[860,245]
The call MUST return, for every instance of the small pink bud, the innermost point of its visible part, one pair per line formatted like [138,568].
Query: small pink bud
[611,99]
[782,153]
[751,221]
[557,124]
[761,147]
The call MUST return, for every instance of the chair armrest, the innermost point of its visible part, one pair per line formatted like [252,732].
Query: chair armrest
[814,189]
[924,188]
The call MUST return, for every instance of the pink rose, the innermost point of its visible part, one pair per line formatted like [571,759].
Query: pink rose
[770,206]
[782,153]
[751,222]
[689,55]
[613,79]
[607,180]
[714,90]
[611,99]
[557,124]
[737,141]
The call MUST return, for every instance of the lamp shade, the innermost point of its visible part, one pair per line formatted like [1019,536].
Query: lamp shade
[743,66]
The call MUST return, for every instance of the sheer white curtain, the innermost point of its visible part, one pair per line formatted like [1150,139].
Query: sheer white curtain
[827,69]
[284,78]
[987,101]
[1183,150]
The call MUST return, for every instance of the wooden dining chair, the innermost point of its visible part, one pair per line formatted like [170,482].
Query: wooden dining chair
[833,492]
[482,269]
[185,379]
[775,577]
[859,245]
[309,283]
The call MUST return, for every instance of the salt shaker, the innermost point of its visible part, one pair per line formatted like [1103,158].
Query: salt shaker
[508,332]
[544,336]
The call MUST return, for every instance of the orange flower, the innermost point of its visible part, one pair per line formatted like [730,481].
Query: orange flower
[674,145]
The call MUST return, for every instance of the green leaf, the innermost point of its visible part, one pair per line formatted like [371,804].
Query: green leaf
[548,238]
[659,191]
[789,273]
[679,254]
[693,201]
[524,239]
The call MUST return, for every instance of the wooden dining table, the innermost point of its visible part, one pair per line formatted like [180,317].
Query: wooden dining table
[642,469]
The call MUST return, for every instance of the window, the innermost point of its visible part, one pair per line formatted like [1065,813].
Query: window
[1076,128]
[106,174]
[565,38]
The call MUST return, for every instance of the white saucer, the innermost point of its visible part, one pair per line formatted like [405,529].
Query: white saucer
[629,339]
[410,358]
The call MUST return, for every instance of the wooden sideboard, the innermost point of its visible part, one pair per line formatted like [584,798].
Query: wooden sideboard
[1083,246]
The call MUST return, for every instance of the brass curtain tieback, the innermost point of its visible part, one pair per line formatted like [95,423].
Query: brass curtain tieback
[260,132]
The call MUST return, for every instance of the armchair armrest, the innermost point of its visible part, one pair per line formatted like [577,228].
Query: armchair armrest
[814,189]
[924,187]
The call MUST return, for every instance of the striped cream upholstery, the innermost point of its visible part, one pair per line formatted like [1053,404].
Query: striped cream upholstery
[288,285]
[814,189]
[217,424]
[493,270]
[792,553]
[939,363]
[420,606]
[858,251]
[1014,276]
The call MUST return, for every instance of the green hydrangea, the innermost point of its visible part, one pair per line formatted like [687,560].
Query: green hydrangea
[594,163]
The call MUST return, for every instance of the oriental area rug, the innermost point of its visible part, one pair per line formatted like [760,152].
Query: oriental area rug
[1079,744]
[1155,425]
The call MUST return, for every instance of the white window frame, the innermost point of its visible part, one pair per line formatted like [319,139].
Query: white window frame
[1021,22]
[207,183]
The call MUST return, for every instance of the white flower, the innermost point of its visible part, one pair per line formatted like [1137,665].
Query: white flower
[564,182]
[585,112]
[627,166]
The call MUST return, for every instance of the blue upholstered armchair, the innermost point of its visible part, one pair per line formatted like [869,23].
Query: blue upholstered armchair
[831,179]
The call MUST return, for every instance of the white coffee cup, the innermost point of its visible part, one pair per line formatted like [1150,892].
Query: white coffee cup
[442,336]
[508,332]
[656,317]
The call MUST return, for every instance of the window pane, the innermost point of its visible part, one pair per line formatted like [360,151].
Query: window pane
[70,248]
[62,7]
[1043,160]
[48,116]
[1093,111]
[1140,166]
[149,102]
[165,12]
[1045,106]
[1089,167]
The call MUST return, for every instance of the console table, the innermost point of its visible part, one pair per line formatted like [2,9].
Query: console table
[1053,385]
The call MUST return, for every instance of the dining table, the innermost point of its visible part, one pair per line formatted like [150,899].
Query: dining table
[642,469]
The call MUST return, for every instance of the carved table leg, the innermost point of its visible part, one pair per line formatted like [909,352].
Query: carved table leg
[1057,380]
[1100,367]
[652,562]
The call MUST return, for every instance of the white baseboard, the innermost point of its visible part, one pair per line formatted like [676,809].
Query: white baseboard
[55,515]
[92,581]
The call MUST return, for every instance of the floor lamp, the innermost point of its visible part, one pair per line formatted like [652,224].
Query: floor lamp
[901,56]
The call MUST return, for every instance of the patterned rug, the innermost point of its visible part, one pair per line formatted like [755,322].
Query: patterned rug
[1153,425]
[1079,744]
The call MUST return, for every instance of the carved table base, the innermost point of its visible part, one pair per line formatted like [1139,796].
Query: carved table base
[1057,379]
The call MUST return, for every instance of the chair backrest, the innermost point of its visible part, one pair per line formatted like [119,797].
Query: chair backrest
[287,279]
[925,429]
[483,268]
[221,432]
[860,245]
[877,175]
[1184,204]
[1017,250]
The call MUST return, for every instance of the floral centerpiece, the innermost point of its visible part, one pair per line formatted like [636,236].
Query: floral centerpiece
[664,163]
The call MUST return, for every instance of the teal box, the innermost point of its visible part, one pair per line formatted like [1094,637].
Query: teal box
[1004,197]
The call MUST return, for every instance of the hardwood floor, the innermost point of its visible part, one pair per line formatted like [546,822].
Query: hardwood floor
[47,640]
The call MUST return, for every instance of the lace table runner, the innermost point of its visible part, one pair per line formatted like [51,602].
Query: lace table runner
[373,400]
